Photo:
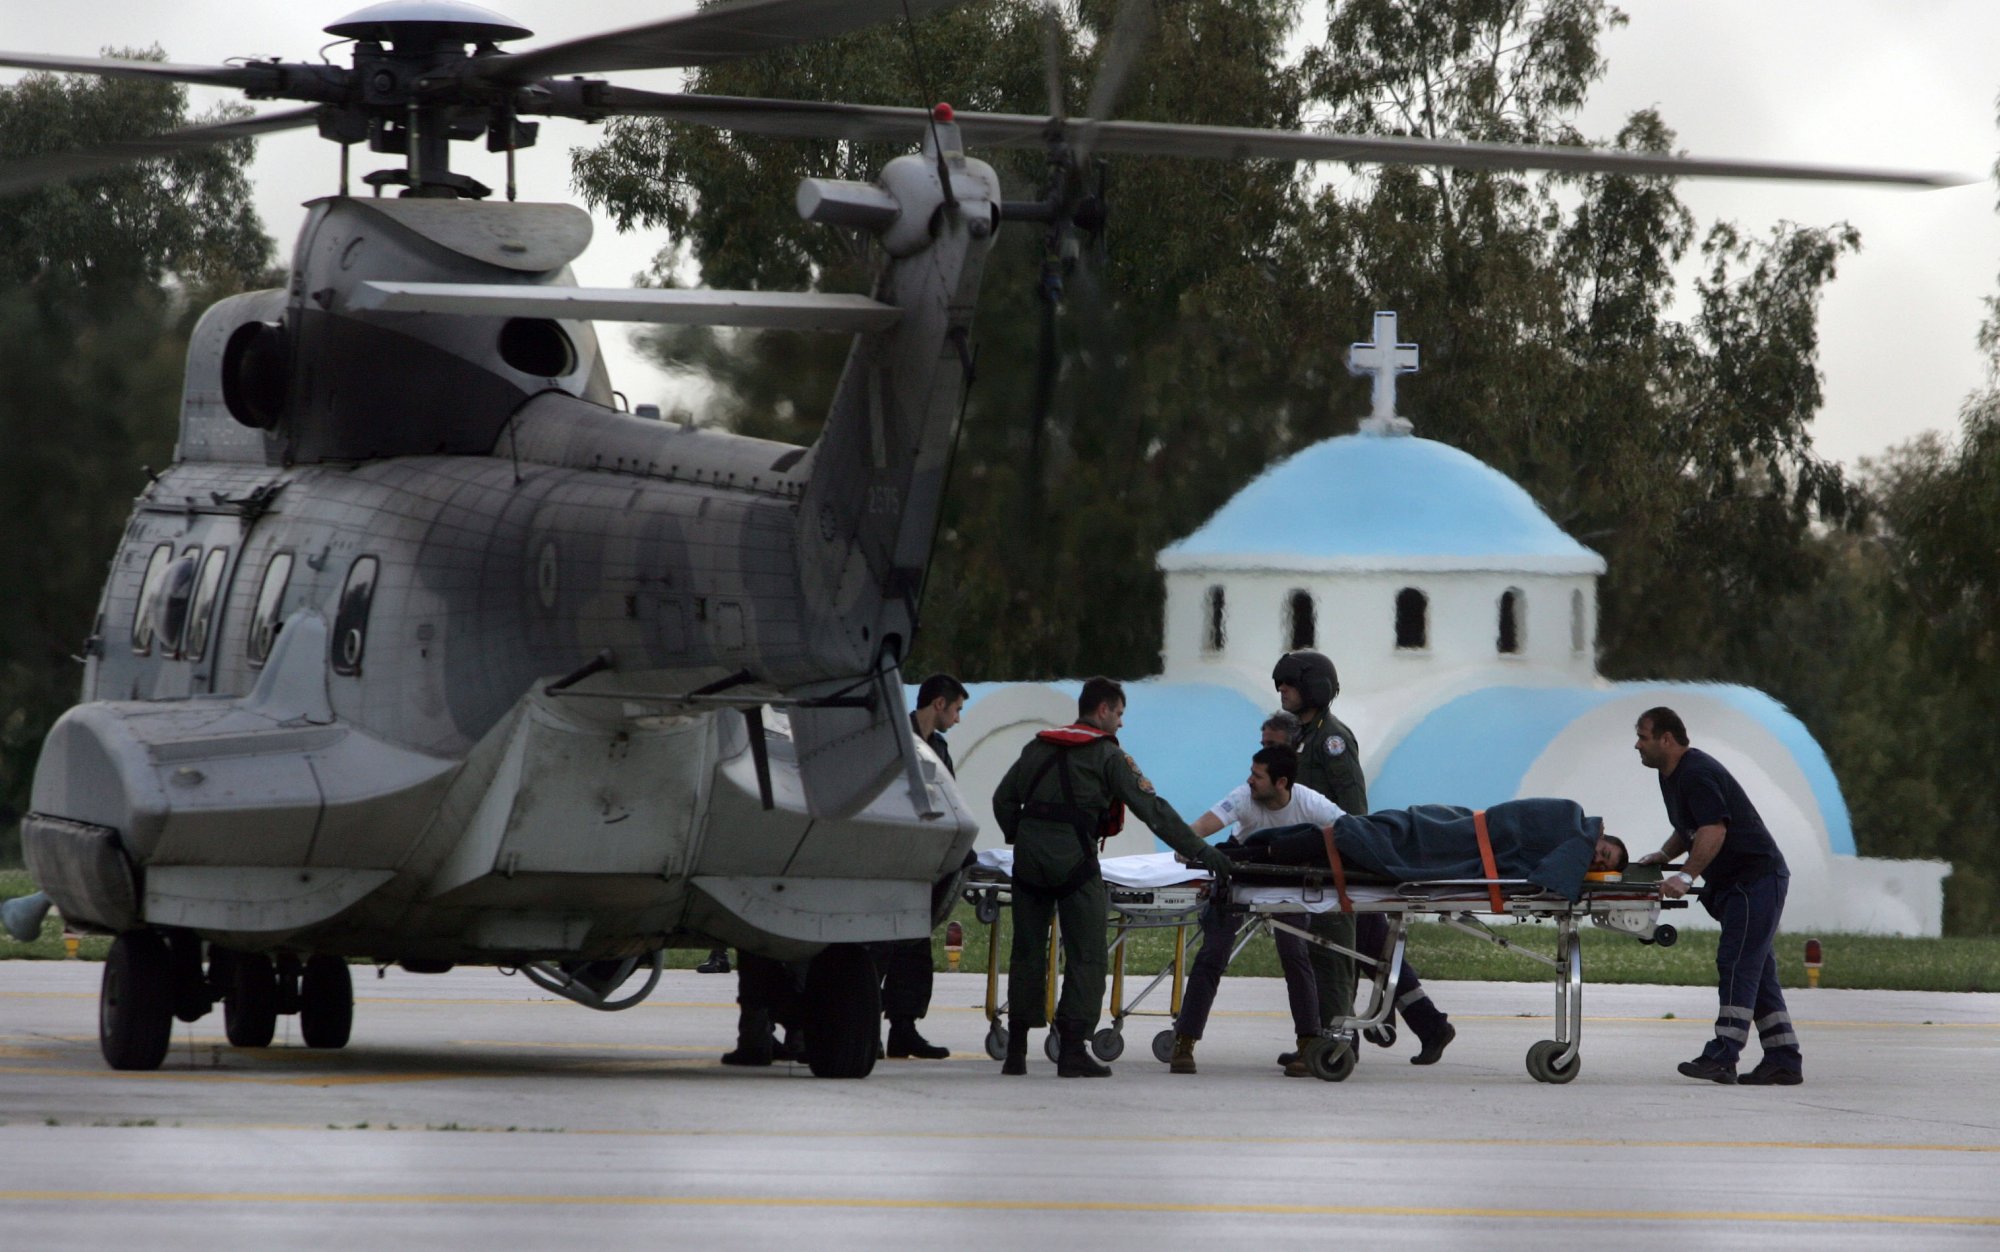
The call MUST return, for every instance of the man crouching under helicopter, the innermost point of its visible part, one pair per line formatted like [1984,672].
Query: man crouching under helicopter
[1066,795]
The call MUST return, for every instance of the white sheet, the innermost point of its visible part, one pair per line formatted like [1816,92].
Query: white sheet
[1154,869]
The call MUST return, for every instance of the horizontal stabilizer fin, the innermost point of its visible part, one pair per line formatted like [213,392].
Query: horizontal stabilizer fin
[762,310]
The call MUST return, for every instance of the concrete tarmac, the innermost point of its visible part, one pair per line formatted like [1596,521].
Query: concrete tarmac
[472,1110]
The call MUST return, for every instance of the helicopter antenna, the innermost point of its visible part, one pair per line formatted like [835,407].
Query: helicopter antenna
[925,85]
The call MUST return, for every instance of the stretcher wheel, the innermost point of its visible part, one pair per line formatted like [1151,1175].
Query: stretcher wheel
[996,1042]
[1331,1060]
[1665,936]
[1163,1047]
[986,907]
[1108,1045]
[1383,1036]
[1052,1044]
[1542,1063]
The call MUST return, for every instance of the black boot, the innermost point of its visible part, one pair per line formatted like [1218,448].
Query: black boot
[905,1041]
[1074,1060]
[717,962]
[1017,1049]
[753,1039]
[1435,1043]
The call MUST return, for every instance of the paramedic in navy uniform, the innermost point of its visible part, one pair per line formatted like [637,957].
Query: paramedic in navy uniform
[1728,845]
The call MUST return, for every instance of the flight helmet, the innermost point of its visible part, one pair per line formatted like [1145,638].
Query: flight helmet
[1312,673]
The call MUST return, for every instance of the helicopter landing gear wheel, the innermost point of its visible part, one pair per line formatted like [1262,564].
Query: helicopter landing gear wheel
[1107,1045]
[996,1041]
[250,1001]
[1163,1047]
[1331,1060]
[843,1012]
[135,1005]
[326,1003]
[1542,1063]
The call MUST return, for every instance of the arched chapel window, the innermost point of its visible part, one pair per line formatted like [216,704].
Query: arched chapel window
[1579,628]
[1305,628]
[1510,621]
[1213,627]
[1413,612]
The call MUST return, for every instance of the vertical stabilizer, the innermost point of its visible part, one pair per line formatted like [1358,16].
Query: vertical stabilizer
[870,510]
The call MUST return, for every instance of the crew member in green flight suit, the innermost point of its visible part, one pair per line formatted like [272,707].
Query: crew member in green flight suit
[1329,763]
[1067,793]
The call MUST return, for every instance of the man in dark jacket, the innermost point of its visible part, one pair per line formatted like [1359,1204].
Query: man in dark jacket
[1066,794]
[1728,845]
[1550,843]
[906,963]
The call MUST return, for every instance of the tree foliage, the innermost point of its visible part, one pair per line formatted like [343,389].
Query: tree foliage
[99,283]
[1216,341]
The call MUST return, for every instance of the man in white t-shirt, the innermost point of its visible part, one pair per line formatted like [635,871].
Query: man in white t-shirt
[1266,800]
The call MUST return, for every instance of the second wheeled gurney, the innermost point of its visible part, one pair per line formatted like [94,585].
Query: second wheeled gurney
[1150,892]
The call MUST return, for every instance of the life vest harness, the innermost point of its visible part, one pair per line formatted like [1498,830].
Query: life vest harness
[1092,827]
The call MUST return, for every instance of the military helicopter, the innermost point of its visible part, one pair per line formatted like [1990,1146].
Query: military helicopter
[424,651]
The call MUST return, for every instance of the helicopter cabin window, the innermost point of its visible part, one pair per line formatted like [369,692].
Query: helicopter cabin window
[173,599]
[1305,629]
[1413,619]
[149,591]
[201,617]
[1509,642]
[1214,628]
[350,622]
[270,600]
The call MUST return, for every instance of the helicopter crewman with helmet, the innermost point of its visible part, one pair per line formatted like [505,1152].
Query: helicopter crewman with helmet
[1067,793]
[1330,763]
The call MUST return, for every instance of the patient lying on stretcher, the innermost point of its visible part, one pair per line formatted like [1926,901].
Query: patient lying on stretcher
[1550,843]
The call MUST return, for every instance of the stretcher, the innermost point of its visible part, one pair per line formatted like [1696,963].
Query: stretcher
[1156,896]
[1629,904]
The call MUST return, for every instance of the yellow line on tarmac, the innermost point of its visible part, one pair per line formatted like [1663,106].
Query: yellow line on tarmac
[433,1199]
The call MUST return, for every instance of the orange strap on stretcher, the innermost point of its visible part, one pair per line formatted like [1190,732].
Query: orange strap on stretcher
[1339,871]
[1486,861]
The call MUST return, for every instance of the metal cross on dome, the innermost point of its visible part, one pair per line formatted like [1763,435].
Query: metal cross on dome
[1384,358]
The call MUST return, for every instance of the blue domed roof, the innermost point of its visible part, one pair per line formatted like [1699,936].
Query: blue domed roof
[1476,750]
[1384,501]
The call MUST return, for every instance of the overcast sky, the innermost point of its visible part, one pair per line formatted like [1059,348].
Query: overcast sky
[1909,84]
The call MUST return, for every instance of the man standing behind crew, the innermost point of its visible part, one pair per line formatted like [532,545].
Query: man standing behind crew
[1068,792]
[1330,763]
[1727,844]
[1266,801]
[906,963]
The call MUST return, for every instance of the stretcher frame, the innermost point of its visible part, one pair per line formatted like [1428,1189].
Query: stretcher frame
[1630,905]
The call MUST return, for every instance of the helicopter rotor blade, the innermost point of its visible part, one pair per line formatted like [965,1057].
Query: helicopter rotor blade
[806,119]
[246,77]
[28,173]
[721,32]
[1130,30]
[1052,40]
[1234,143]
